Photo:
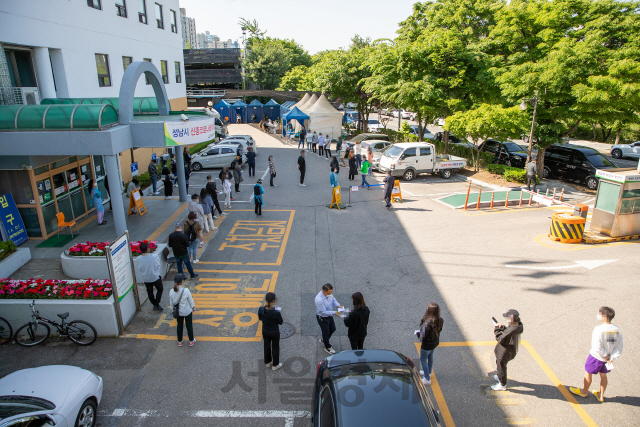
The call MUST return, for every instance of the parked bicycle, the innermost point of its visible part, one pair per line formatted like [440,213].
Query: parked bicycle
[38,330]
[6,333]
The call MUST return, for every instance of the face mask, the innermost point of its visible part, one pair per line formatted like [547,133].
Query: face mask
[197,220]
[600,317]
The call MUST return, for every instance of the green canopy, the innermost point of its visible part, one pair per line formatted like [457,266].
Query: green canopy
[141,105]
[58,116]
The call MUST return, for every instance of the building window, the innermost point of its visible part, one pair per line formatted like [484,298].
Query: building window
[94,4]
[121,6]
[142,11]
[174,23]
[159,16]
[126,61]
[146,79]
[164,71]
[178,75]
[20,67]
[102,65]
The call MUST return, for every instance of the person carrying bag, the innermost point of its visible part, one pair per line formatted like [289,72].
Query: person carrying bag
[183,308]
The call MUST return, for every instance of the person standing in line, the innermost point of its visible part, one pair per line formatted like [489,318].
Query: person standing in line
[187,157]
[181,296]
[314,142]
[358,151]
[251,161]
[370,159]
[258,191]
[301,138]
[272,171]
[153,174]
[187,175]
[429,334]
[302,167]
[179,242]
[333,178]
[149,265]
[207,206]
[237,176]
[226,188]
[327,146]
[309,138]
[224,173]
[320,145]
[606,346]
[196,207]
[335,164]
[194,231]
[506,349]
[353,166]
[174,171]
[347,151]
[531,174]
[271,318]
[389,183]
[212,190]
[357,321]
[326,308]
[168,186]
[339,149]
[366,166]
[96,199]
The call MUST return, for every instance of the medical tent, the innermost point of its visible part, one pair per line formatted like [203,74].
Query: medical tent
[302,101]
[255,108]
[324,118]
[272,110]
[239,109]
[224,109]
[310,102]
[296,115]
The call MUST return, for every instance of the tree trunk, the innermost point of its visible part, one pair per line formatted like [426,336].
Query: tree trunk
[608,134]
[419,117]
[445,139]
[573,128]
[475,157]
[595,134]
[540,162]
[618,135]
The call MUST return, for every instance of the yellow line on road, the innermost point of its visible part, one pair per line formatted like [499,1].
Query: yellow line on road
[466,343]
[167,223]
[437,392]
[199,338]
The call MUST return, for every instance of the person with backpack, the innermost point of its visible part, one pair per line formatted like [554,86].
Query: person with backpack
[193,230]
[506,349]
[183,307]
[206,202]
[179,242]
[196,207]
[429,334]
[357,321]
[364,171]
[271,318]
[258,191]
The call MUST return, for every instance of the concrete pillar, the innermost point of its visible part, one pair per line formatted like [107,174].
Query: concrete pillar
[182,185]
[46,86]
[115,190]
[59,73]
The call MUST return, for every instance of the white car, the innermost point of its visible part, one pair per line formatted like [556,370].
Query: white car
[60,395]
[215,156]
[408,115]
[619,151]
[237,141]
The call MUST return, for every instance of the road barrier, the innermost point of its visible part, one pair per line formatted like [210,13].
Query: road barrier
[479,195]
[493,193]
[467,199]
[567,228]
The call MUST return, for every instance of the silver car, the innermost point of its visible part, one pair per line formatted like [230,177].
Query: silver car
[619,151]
[214,156]
[377,147]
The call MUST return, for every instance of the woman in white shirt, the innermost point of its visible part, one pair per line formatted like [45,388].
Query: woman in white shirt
[181,296]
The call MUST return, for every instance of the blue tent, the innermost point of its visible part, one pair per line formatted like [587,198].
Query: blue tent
[294,114]
[272,110]
[224,108]
[239,109]
[255,108]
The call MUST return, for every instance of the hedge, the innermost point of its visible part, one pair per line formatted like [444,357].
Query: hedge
[511,174]
[7,248]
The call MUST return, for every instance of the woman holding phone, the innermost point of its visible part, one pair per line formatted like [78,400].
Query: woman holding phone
[430,327]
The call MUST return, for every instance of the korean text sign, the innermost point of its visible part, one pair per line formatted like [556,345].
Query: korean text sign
[191,132]
[11,220]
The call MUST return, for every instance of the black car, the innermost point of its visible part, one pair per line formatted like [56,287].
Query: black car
[505,153]
[370,388]
[575,163]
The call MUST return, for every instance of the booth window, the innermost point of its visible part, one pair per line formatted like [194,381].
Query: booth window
[178,75]
[102,65]
[165,72]
[142,12]
[63,162]
[126,61]
[174,24]
[94,4]
[608,197]
[146,79]
[121,6]
[159,19]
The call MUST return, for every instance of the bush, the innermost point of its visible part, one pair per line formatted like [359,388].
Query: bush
[510,174]
[6,249]
[196,148]
[497,169]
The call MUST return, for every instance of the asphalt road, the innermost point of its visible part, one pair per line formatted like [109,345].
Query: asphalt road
[475,265]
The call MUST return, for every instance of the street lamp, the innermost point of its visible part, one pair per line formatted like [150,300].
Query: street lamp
[523,107]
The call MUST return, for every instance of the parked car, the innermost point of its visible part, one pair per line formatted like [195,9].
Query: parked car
[454,139]
[408,159]
[506,153]
[426,133]
[350,117]
[377,146]
[366,136]
[385,384]
[341,107]
[619,151]
[575,163]
[215,156]
[407,115]
[374,126]
[352,105]
[59,395]
[239,141]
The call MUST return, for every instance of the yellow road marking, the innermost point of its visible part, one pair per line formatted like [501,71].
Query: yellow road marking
[199,338]
[521,421]
[437,392]
[87,221]
[544,240]
[167,223]
[502,210]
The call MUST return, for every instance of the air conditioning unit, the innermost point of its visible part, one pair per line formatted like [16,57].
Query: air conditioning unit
[26,95]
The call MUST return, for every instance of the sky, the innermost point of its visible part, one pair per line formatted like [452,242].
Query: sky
[315,24]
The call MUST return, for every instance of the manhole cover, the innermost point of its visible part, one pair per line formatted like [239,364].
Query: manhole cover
[286,330]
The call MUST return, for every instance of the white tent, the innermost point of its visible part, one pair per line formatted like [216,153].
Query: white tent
[324,118]
[310,103]
[303,101]
[303,106]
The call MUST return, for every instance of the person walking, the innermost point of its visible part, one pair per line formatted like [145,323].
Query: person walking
[96,199]
[153,174]
[335,164]
[207,206]
[258,191]
[179,242]
[212,190]
[606,346]
[358,152]
[174,171]
[357,321]
[314,141]
[389,183]
[194,232]
[302,167]
[272,171]
[309,138]
[353,166]
[271,318]
[429,334]
[339,149]
[320,145]
[181,297]
[149,265]
[237,176]
[196,207]
[327,146]
[226,188]
[531,174]
[364,171]
[326,308]
[251,161]
[507,346]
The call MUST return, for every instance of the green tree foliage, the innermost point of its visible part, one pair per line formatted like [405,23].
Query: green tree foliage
[266,63]
[297,78]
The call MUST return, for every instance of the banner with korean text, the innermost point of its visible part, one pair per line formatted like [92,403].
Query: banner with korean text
[189,133]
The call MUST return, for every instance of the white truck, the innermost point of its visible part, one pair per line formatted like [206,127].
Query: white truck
[408,159]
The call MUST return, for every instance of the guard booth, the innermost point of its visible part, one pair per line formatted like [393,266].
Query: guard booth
[617,209]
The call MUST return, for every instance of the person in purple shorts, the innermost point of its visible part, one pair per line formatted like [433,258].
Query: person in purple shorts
[606,345]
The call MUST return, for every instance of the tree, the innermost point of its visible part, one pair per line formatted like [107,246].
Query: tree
[266,63]
[252,28]
[297,78]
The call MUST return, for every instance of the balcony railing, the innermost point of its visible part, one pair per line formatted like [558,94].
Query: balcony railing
[210,93]
[213,76]
[211,56]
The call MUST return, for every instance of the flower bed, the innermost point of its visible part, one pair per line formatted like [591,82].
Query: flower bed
[99,248]
[6,249]
[55,289]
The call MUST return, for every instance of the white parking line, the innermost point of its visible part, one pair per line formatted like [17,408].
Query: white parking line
[289,416]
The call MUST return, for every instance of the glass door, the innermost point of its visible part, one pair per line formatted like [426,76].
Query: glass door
[74,185]
[85,172]
[61,191]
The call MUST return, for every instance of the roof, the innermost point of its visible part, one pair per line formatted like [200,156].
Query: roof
[310,102]
[296,114]
[580,148]
[141,105]
[410,144]
[57,117]
[255,103]
[324,108]
[364,356]
[222,103]
[271,103]
[303,100]
[240,103]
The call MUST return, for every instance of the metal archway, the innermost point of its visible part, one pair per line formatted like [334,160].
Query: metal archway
[128,88]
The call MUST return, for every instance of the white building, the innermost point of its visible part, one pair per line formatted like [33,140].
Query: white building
[188,30]
[207,40]
[80,48]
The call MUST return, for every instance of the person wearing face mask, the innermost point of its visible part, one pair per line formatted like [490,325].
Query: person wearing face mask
[506,349]
[181,296]
[96,199]
[271,318]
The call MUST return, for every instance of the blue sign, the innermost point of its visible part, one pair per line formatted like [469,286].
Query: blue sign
[11,220]
[153,157]
[134,169]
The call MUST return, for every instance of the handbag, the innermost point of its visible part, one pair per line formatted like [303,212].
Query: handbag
[176,307]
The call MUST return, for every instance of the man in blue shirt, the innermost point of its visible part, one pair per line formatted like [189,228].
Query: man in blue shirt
[326,308]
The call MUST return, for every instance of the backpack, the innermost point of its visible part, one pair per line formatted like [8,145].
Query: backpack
[256,190]
[191,232]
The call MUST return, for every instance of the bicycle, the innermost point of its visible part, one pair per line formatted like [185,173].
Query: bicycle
[6,333]
[35,332]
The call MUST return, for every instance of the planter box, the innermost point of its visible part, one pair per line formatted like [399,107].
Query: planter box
[100,313]
[95,267]
[13,262]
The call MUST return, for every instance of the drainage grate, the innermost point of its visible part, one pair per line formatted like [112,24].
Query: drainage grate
[287,330]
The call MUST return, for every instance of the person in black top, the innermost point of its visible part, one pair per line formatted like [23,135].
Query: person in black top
[251,161]
[357,321]
[271,318]
[179,242]
[429,334]
[353,166]
[302,167]
[389,182]
[174,171]
[213,191]
[507,346]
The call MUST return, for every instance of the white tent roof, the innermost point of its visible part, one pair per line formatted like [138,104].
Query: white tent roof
[325,119]
[303,101]
[310,102]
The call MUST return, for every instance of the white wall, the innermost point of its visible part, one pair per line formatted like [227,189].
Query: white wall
[77,32]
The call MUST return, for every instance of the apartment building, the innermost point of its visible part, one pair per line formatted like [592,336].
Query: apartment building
[189,35]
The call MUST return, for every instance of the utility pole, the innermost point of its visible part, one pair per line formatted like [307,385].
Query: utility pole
[523,106]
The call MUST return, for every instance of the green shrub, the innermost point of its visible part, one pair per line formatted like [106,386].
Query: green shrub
[497,169]
[7,248]
[517,175]
[196,148]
